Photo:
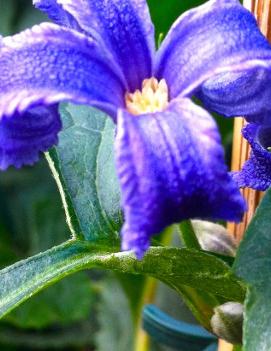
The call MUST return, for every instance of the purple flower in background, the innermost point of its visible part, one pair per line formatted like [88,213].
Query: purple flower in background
[256,172]
[169,156]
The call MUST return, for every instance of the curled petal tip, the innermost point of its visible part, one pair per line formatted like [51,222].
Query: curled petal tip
[256,172]
[24,136]
[218,52]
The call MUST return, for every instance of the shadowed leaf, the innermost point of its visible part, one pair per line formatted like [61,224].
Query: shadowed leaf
[253,264]
[173,266]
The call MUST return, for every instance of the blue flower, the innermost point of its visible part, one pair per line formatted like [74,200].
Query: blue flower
[169,156]
[256,172]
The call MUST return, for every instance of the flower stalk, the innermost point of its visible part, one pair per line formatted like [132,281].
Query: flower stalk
[188,235]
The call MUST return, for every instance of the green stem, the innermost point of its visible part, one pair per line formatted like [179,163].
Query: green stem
[188,235]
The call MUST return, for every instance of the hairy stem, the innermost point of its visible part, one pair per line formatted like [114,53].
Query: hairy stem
[188,235]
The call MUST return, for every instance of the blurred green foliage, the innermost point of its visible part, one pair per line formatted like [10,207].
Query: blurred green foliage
[32,221]
[79,312]
[165,12]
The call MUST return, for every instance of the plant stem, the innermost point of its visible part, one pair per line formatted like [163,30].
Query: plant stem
[188,235]
[142,341]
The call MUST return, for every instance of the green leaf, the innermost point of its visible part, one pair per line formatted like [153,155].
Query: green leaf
[34,206]
[69,301]
[23,279]
[175,267]
[83,165]
[115,319]
[253,264]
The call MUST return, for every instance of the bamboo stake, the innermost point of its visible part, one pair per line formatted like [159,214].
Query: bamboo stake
[241,150]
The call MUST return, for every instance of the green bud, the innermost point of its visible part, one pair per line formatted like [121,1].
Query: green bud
[215,238]
[227,322]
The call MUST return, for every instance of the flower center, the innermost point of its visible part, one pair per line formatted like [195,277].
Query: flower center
[154,97]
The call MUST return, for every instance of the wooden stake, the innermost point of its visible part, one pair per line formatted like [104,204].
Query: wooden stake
[241,149]
[241,152]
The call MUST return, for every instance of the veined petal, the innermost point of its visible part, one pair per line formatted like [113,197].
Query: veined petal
[219,41]
[246,93]
[23,137]
[256,172]
[126,29]
[171,167]
[56,13]
[49,64]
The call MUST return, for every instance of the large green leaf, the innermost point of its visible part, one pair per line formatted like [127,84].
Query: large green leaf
[83,165]
[175,267]
[36,207]
[20,281]
[253,264]
[67,302]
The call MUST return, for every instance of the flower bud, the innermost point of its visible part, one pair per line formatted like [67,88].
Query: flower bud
[215,238]
[227,322]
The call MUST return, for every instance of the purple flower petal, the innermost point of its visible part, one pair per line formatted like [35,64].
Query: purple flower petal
[23,137]
[239,94]
[124,27]
[256,172]
[218,37]
[171,167]
[49,64]
[260,118]
[56,13]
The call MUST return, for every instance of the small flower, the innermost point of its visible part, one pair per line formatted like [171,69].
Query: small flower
[169,156]
[256,172]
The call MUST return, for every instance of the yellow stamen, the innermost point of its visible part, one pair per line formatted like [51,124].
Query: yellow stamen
[153,97]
